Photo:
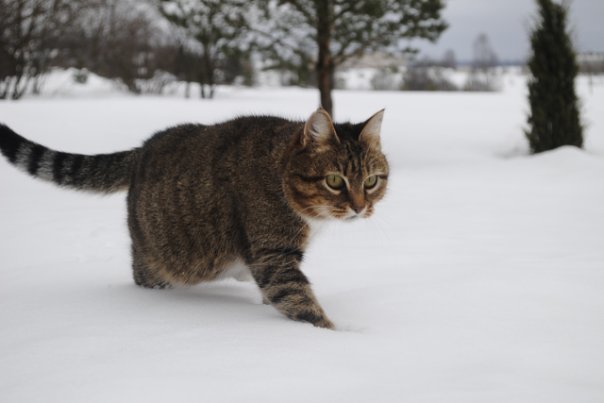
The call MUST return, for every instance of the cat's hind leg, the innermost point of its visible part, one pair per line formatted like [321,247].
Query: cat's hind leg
[144,275]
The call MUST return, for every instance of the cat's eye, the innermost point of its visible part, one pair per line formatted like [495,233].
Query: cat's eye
[371,182]
[334,181]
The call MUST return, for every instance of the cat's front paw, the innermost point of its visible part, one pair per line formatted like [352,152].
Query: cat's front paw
[315,320]
[326,324]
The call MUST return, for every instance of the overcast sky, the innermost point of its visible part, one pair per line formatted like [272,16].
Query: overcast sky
[507,22]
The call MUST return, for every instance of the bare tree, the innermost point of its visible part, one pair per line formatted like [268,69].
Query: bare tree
[121,40]
[482,75]
[449,60]
[29,32]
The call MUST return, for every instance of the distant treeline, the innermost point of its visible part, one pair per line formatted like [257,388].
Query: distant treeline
[125,40]
[147,44]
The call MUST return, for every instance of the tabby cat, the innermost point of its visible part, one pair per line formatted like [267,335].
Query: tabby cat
[202,198]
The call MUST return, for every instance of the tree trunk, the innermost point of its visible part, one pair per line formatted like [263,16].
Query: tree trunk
[4,88]
[18,89]
[325,67]
[209,68]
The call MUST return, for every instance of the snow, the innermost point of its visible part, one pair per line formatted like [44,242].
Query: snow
[479,279]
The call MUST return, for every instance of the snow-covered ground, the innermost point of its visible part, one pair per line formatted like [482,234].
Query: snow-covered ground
[480,279]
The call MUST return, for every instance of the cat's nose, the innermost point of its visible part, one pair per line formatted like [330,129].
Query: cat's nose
[357,209]
[357,202]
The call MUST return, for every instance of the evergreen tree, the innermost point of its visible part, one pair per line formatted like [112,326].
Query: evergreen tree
[554,117]
[305,35]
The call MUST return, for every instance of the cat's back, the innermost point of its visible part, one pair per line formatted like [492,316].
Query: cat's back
[235,146]
[222,134]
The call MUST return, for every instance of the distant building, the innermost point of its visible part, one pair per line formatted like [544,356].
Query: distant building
[375,60]
[371,71]
[591,62]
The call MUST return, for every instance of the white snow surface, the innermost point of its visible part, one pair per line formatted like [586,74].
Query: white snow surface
[479,279]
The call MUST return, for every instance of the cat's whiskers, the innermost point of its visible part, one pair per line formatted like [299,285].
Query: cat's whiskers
[376,221]
[314,209]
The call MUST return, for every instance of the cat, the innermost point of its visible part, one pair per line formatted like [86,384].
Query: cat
[204,197]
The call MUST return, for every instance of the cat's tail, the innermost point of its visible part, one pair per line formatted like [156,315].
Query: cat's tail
[104,173]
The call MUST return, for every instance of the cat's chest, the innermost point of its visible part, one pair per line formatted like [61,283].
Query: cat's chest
[315,226]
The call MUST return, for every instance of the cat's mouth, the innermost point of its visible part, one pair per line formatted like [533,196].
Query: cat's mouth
[330,213]
[350,215]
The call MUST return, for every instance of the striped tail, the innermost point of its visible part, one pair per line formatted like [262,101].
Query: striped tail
[104,173]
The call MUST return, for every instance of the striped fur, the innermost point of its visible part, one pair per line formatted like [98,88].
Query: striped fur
[103,173]
[203,199]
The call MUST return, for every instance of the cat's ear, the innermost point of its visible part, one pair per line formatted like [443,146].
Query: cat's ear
[319,129]
[370,134]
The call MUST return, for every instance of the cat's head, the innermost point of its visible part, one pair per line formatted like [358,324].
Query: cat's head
[336,171]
